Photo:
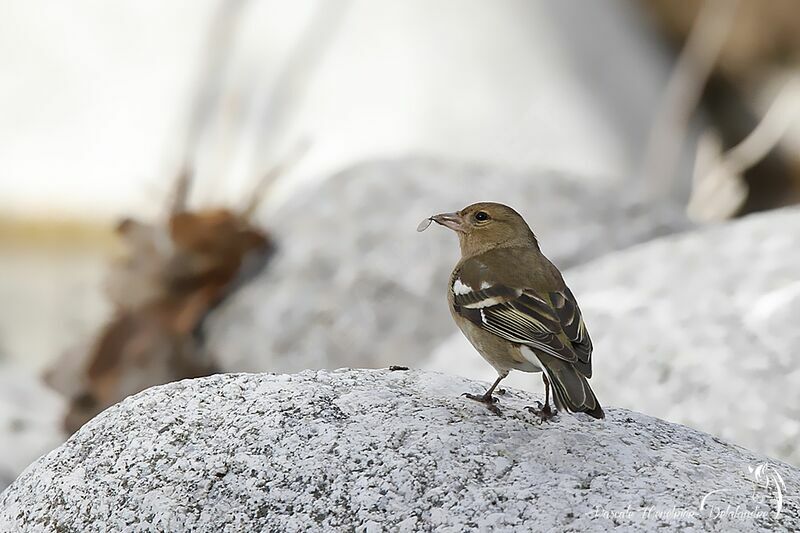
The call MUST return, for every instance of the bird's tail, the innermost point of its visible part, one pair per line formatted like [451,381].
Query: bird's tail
[571,390]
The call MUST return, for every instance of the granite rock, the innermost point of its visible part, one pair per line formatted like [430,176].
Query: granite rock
[362,450]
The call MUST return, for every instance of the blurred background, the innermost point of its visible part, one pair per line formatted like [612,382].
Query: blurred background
[207,186]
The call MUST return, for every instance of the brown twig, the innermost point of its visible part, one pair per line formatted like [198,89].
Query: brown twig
[684,89]
[718,186]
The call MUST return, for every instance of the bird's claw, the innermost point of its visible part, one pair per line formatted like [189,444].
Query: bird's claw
[481,398]
[544,412]
[488,401]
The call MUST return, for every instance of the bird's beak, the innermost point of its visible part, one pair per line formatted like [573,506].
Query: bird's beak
[454,221]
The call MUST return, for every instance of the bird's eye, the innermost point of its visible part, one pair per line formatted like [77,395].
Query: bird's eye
[481,216]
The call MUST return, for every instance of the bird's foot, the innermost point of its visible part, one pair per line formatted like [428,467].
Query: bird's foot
[485,399]
[501,392]
[544,412]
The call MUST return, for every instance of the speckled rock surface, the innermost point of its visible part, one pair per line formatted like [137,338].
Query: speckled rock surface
[356,450]
[702,329]
[354,284]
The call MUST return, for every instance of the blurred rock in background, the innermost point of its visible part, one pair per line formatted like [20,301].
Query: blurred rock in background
[353,283]
[699,329]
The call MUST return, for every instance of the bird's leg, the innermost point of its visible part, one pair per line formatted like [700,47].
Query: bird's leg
[543,411]
[546,393]
[487,397]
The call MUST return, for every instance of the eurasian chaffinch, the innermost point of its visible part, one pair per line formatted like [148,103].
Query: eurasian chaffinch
[512,304]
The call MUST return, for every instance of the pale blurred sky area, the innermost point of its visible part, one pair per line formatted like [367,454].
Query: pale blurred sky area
[96,96]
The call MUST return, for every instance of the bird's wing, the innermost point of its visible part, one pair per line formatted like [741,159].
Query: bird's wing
[522,316]
[571,319]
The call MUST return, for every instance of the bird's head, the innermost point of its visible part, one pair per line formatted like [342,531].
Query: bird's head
[483,226]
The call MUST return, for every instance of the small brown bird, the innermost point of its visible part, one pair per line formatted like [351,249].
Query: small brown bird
[512,304]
